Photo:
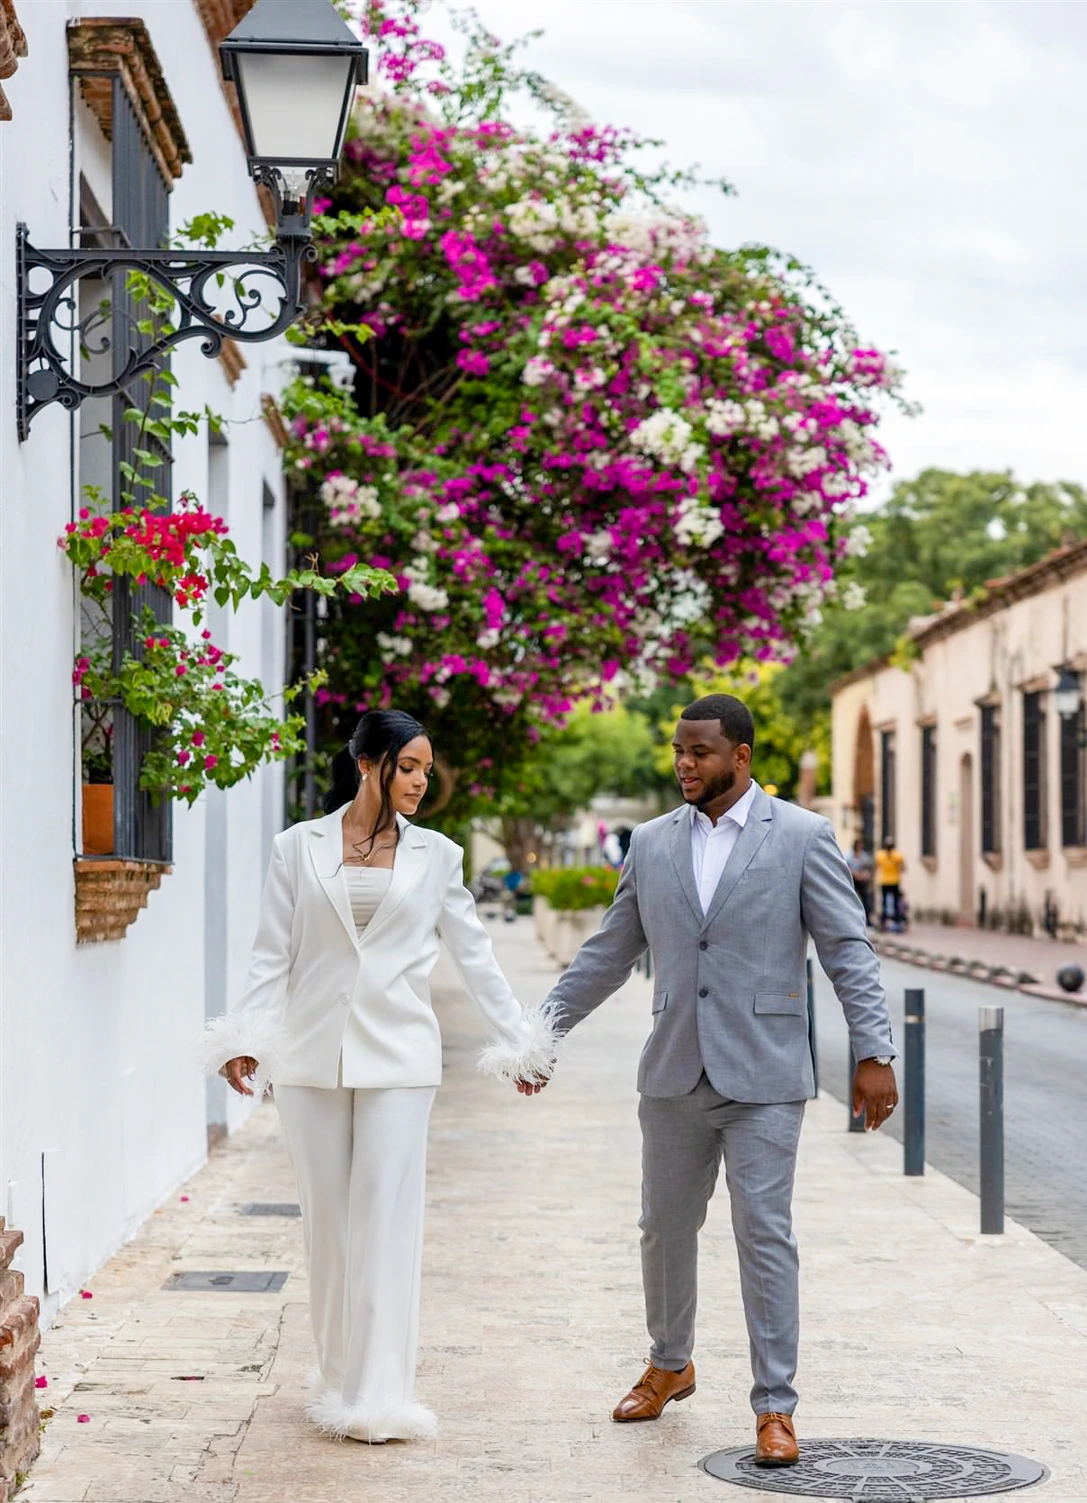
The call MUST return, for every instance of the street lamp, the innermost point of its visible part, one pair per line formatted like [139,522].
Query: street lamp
[296,66]
[1067,696]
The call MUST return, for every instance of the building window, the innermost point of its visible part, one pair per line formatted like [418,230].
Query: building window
[1034,782]
[887,786]
[990,779]
[1073,808]
[138,151]
[928,790]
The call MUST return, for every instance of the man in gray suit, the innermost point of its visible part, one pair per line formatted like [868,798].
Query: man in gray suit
[725,894]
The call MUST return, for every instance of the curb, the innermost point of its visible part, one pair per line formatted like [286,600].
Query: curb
[975,970]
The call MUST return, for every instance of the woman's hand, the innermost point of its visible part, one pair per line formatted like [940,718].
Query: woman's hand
[235,1069]
[530,1087]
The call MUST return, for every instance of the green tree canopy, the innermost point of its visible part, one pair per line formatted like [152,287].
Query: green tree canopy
[936,534]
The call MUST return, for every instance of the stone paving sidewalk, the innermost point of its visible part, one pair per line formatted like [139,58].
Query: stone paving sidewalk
[914,1326]
[1018,961]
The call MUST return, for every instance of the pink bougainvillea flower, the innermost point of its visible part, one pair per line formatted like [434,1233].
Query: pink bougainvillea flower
[184,1197]
[85,1294]
[41,1381]
[82,1419]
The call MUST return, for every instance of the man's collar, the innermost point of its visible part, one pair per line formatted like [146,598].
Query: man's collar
[738,813]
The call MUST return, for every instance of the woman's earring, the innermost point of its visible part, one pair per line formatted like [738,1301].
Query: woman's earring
[365,776]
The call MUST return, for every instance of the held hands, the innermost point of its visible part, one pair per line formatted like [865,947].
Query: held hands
[235,1069]
[530,1087]
[875,1092]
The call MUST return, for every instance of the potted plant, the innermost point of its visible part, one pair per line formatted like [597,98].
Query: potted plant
[98,795]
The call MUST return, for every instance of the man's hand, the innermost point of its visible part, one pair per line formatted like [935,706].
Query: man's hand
[235,1069]
[530,1087]
[875,1092]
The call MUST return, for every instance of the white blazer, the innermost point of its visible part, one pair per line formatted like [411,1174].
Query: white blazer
[309,969]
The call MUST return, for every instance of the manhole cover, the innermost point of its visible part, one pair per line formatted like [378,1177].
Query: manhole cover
[906,1471]
[271,1208]
[247,1281]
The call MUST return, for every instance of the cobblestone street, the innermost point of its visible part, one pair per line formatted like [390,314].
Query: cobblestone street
[914,1327]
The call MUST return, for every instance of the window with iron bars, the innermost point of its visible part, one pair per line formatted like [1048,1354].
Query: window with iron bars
[928,790]
[1034,781]
[1073,803]
[990,779]
[114,743]
[887,786]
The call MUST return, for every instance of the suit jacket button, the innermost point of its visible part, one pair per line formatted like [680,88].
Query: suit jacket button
[703,944]
[703,991]
[344,998]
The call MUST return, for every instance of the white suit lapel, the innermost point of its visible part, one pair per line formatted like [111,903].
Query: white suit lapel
[409,864]
[326,853]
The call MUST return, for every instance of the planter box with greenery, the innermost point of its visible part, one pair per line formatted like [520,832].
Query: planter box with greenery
[570,903]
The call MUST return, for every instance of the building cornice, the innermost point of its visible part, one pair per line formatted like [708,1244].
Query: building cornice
[12,48]
[855,675]
[101,48]
[1055,568]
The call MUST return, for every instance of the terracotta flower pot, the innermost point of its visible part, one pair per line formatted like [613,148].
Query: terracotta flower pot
[97,819]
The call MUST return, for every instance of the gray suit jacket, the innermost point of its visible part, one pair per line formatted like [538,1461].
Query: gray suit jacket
[729,987]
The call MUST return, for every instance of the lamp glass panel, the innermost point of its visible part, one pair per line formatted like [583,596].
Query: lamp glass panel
[1067,701]
[295,103]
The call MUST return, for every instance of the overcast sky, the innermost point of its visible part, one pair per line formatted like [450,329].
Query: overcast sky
[927,157]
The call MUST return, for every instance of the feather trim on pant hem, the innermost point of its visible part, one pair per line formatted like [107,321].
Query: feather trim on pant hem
[534,1059]
[234,1034]
[344,1421]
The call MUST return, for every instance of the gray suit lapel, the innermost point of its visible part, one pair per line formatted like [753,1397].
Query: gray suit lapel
[751,837]
[679,848]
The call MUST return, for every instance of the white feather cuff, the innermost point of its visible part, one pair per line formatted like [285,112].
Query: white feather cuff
[534,1058]
[234,1034]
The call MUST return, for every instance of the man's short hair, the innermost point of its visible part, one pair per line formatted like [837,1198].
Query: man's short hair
[735,719]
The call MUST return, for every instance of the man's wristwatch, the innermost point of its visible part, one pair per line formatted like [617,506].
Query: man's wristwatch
[883,1059]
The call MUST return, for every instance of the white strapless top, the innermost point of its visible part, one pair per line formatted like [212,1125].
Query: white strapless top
[366,887]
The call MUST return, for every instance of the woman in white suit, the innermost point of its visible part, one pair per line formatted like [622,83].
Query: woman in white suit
[336,1014]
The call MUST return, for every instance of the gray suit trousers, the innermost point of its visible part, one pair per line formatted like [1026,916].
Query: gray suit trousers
[683,1141]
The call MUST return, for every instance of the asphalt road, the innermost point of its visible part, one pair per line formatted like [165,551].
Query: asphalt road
[1045,1093]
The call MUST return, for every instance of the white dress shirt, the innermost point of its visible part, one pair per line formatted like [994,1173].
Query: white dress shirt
[712,844]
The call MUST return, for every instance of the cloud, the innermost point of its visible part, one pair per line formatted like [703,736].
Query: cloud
[924,158]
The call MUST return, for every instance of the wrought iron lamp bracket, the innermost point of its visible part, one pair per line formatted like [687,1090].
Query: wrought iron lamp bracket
[51,336]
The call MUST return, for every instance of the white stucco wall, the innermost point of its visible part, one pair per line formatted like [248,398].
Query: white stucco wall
[100,1099]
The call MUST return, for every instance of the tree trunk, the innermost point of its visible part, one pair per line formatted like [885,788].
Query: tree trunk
[519,840]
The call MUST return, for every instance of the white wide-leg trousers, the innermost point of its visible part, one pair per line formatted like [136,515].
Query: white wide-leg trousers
[359,1158]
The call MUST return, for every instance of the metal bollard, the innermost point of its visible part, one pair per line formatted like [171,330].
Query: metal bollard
[913,1085]
[991,1078]
[811,1028]
[856,1124]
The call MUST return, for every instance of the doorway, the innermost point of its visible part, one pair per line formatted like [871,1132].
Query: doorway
[967,913]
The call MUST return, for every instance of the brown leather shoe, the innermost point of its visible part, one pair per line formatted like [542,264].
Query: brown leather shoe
[775,1441]
[655,1388]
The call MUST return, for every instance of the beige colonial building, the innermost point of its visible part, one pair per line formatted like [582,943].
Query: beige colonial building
[972,756]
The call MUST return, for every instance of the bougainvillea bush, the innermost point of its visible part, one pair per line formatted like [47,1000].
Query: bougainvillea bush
[593,448]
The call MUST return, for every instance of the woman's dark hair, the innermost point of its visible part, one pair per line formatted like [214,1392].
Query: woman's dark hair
[380,737]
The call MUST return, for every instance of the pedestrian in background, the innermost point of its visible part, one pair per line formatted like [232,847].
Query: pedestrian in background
[890,864]
[861,868]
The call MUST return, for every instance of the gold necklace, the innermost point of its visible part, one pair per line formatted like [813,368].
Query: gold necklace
[356,846]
